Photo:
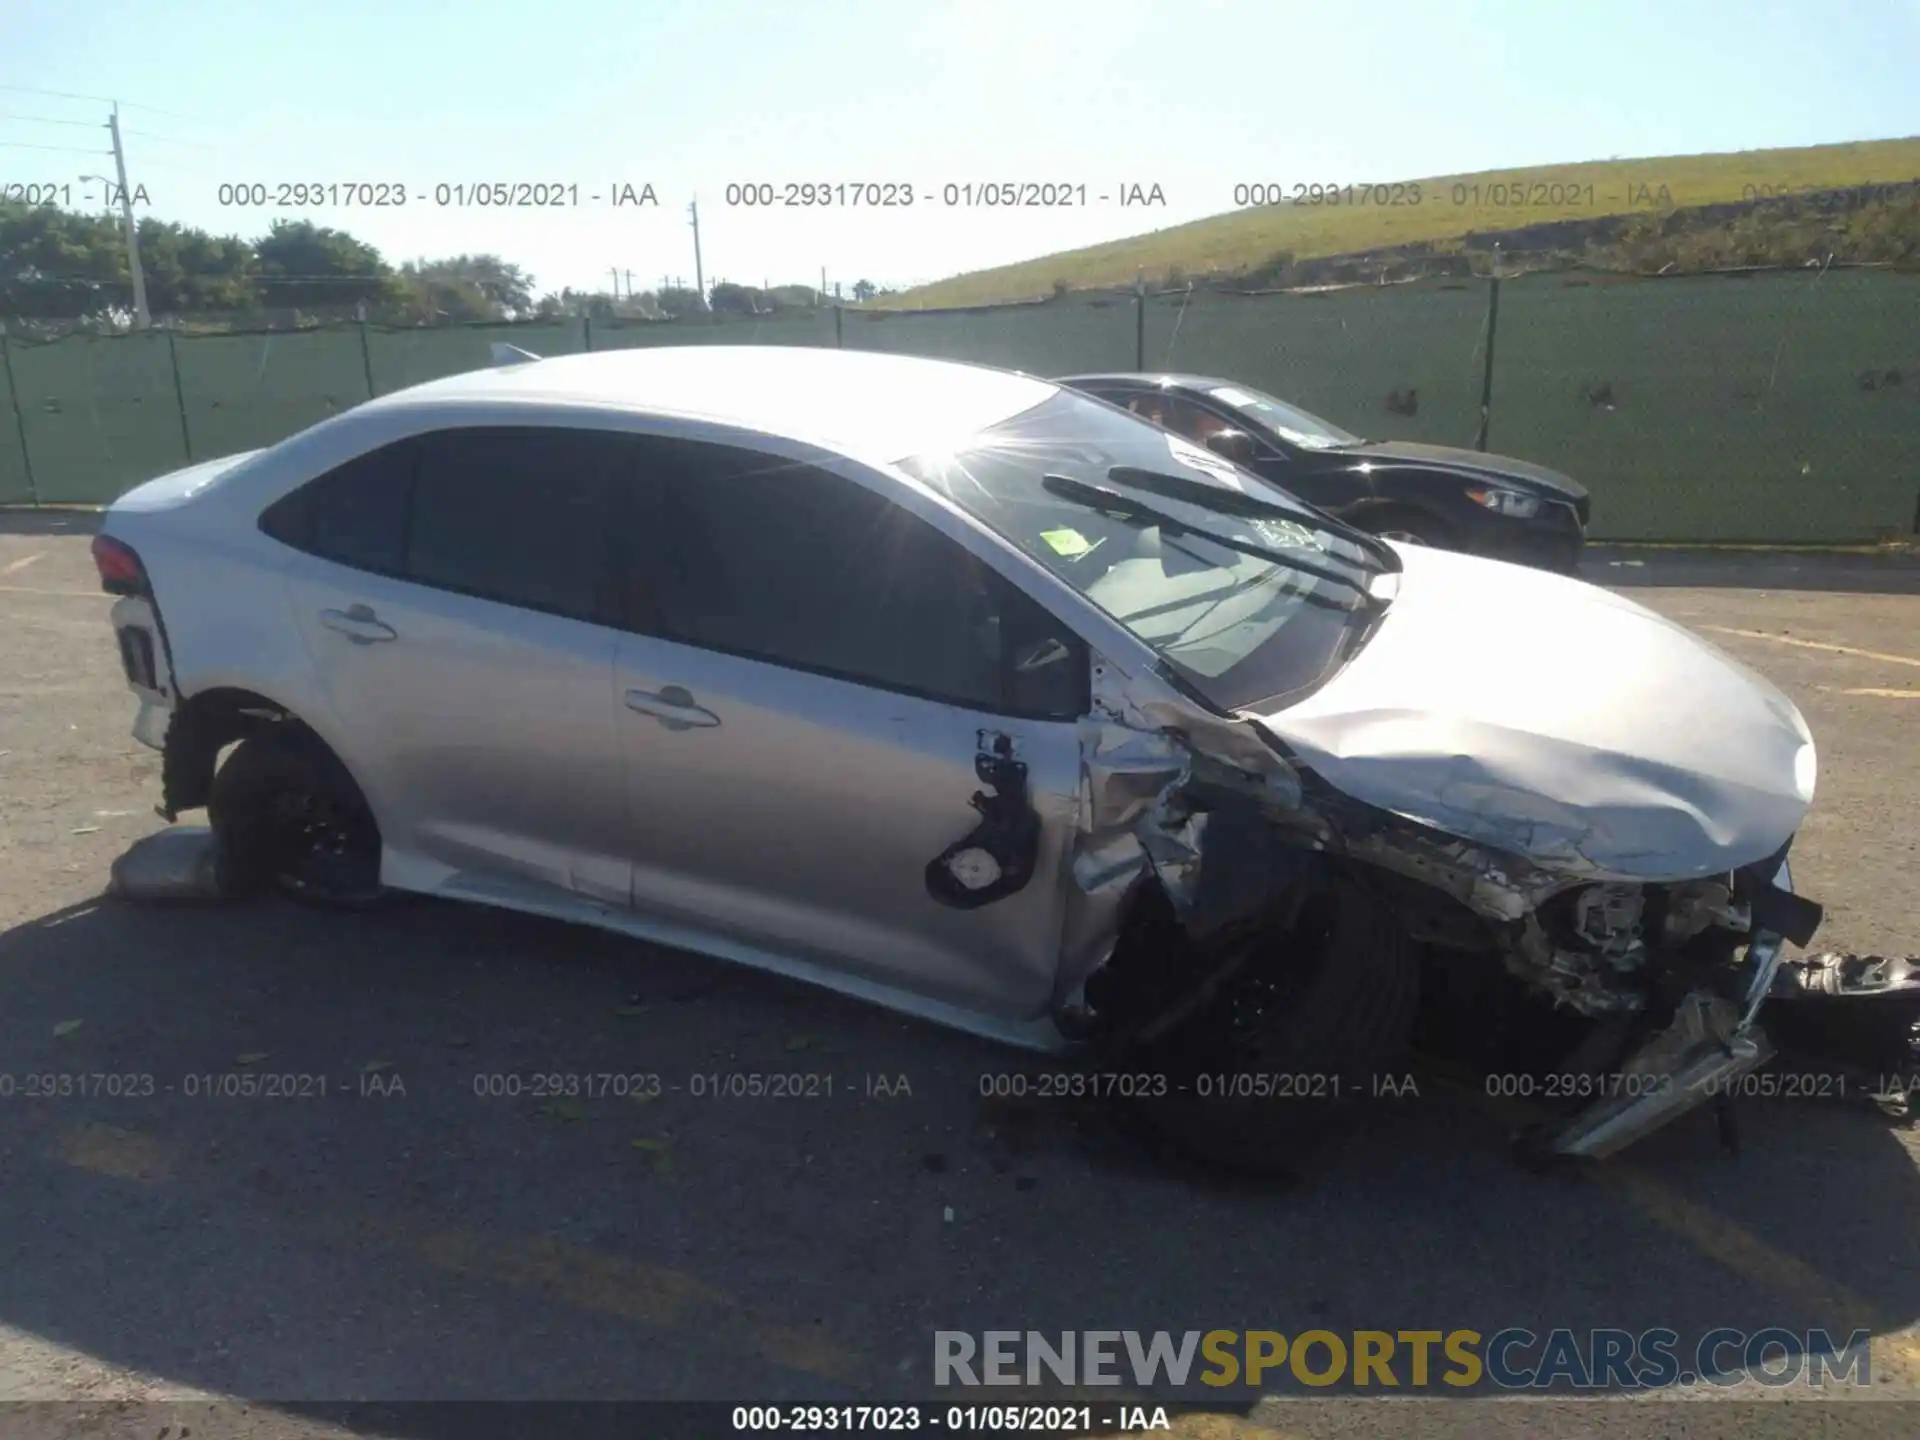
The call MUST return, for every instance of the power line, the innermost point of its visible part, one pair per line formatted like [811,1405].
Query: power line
[44,120]
[64,149]
[170,114]
[57,94]
[105,100]
[165,165]
[171,140]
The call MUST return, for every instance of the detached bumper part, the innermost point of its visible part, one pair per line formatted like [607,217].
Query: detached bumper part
[1692,1060]
[181,863]
[1711,1042]
[1857,1016]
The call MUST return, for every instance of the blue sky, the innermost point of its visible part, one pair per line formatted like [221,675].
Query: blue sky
[689,95]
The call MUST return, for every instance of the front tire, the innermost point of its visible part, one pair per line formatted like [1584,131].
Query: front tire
[286,814]
[1298,1042]
[1410,525]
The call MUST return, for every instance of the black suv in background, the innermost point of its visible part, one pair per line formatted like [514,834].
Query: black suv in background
[1489,505]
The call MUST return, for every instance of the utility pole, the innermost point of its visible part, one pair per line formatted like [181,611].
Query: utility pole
[140,315]
[629,285]
[823,284]
[699,272]
[615,272]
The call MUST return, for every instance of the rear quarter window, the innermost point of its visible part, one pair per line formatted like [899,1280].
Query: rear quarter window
[355,515]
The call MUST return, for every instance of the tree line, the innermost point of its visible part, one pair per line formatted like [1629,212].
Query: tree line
[65,266]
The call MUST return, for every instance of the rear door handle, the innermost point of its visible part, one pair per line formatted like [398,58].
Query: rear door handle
[359,624]
[673,706]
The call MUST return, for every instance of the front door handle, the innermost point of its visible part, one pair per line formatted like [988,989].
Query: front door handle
[673,706]
[359,624]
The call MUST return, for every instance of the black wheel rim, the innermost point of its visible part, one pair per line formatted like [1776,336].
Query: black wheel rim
[1271,985]
[1230,1034]
[321,847]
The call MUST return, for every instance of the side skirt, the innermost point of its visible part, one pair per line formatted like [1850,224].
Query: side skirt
[1039,1035]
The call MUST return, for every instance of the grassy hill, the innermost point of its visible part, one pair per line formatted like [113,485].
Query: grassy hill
[1447,210]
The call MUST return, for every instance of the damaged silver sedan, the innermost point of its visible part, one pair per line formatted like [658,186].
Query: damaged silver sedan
[975,697]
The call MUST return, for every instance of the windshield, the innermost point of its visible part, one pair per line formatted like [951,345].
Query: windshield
[1289,422]
[1213,593]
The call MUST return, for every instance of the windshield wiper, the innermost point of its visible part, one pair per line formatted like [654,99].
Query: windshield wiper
[1237,502]
[1099,497]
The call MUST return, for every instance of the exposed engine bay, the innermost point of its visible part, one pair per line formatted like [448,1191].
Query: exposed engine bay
[1233,837]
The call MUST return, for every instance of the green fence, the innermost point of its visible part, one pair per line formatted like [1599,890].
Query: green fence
[243,391]
[1762,408]
[1397,362]
[1088,333]
[1775,407]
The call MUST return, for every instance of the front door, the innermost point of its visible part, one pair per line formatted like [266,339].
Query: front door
[816,685]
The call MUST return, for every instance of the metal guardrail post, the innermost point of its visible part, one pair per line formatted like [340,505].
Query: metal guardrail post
[586,331]
[366,358]
[1486,374]
[19,420]
[1140,323]
[839,337]
[179,395]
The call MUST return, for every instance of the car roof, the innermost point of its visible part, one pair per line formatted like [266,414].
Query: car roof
[878,406]
[1145,379]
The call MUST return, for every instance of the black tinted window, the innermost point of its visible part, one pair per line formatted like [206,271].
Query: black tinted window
[355,514]
[803,568]
[518,515]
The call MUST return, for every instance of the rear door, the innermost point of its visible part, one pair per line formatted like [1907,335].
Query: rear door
[816,685]
[453,592]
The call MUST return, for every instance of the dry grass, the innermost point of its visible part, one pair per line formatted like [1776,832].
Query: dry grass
[1246,240]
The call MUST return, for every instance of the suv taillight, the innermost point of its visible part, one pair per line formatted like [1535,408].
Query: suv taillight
[121,572]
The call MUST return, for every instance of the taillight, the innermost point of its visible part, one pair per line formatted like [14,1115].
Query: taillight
[121,572]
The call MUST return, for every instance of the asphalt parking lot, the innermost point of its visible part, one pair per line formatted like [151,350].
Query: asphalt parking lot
[405,1237]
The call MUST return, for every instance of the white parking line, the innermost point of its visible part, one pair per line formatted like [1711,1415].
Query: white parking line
[1815,645]
[14,567]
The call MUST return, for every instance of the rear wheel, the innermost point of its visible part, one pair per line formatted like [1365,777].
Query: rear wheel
[1298,1042]
[285,813]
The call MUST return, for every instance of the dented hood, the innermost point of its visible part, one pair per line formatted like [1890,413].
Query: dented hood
[1555,719]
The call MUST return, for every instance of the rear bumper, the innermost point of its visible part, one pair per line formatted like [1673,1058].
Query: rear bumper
[143,660]
[151,723]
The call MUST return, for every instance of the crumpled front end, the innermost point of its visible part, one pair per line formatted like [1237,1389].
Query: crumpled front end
[1217,814]
[1155,769]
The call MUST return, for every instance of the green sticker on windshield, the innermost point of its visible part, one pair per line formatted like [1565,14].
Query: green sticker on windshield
[1069,544]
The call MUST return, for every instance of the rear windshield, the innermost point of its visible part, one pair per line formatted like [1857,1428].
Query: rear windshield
[1238,628]
[1289,422]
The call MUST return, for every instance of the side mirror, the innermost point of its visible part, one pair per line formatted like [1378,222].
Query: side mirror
[1235,445]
